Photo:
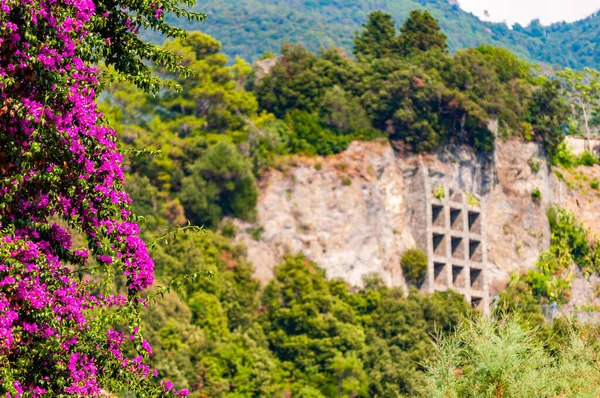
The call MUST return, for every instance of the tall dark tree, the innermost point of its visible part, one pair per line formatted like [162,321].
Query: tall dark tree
[378,38]
[548,113]
[420,33]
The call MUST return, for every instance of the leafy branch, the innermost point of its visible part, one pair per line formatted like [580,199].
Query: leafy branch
[175,284]
[164,238]
[142,152]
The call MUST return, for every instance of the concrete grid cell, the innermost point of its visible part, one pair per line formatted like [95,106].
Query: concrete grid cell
[477,302]
[440,274]
[475,251]
[458,250]
[476,278]
[456,219]
[439,244]
[458,276]
[474,222]
[437,216]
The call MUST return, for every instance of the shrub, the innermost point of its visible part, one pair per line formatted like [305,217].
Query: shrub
[534,165]
[491,358]
[563,156]
[346,181]
[587,158]
[559,175]
[595,184]
[228,229]
[472,200]
[414,266]
[439,192]
[256,233]
[221,183]
[536,195]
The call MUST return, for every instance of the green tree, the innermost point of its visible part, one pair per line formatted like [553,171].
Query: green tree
[342,112]
[414,266]
[582,89]
[420,33]
[220,183]
[310,330]
[212,96]
[378,37]
[549,114]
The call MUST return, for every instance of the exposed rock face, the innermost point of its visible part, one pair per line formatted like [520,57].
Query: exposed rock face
[346,213]
[353,213]
[263,67]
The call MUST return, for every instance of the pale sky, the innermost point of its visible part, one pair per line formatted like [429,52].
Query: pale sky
[523,11]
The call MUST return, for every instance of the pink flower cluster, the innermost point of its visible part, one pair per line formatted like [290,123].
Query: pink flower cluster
[58,161]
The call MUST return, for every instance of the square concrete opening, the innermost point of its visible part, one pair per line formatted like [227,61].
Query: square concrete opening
[437,216]
[456,196]
[440,276]
[477,302]
[458,250]
[439,245]
[474,222]
[456,219]
[476,278]
[475,253]
[458,276]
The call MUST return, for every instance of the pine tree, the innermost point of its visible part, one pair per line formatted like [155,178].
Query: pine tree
[420,33]
[378,38]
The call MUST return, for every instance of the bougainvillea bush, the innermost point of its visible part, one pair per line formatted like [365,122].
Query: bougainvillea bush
[63,329]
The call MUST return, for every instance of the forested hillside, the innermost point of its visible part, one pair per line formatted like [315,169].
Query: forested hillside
[120,272]
[303,334]
[248,28]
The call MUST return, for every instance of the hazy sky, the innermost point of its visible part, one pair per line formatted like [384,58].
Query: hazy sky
[523,11]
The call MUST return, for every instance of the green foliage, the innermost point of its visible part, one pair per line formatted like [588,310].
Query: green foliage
[414,266]
[312,137]
[565,158]
[379,335]
[582,90]
[249,28]
[438,192]
[378,37]
[534,165]
[256,233]
[228,229]
[570,245]
[472,200]
[302,335]
[548,113]
[220,183]
[518,299]
[487,358]
[536,195]
[595,184]
[570,241]
[343,113]
[587,158]
[421,33]
[211,97]
[126,52]
[405,85]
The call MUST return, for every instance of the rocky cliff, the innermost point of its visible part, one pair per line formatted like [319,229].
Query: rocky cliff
[354,213]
